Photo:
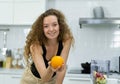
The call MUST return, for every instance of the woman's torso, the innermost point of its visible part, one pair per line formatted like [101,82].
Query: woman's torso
[33,68]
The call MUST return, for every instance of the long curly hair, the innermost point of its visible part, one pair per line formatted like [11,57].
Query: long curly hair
[36,34]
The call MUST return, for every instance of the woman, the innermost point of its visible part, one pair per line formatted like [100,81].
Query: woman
[49,36]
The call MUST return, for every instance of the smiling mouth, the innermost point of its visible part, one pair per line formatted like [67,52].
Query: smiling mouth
[52,34]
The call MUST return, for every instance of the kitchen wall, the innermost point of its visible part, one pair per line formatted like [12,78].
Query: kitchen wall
[15,37]
[91,41]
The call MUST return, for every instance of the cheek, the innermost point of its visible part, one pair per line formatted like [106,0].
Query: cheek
[58,29]
[58,32]
[44,30]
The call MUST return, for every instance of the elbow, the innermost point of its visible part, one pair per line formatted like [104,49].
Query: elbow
[44,79]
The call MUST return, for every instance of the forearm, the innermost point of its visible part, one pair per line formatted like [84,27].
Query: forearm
[48,74]
[60,76]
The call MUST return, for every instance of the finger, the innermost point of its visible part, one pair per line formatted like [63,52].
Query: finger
[49,63]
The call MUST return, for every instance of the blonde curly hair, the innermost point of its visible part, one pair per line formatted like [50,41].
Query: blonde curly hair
[36,34]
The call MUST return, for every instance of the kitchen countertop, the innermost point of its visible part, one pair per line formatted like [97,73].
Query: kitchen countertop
[11,71]
[69,73]
[114,78]
[117,76]
[76,73]
[73,76]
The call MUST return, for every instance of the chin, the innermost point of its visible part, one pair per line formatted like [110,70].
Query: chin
[51,38]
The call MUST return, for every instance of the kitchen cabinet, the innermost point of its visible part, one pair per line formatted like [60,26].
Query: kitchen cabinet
[6,0]
[1,79]
[27,0]
[27,12]
[75,80]
[6,12]
[20,12]
[10,78]
[71,78]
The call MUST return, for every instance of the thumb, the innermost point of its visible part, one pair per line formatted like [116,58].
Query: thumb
[49,63]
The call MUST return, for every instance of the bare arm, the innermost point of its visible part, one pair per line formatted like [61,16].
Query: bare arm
[45,73]
[64,54]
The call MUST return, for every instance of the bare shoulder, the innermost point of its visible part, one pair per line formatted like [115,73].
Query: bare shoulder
[35,48]
[67,42]
[68,39]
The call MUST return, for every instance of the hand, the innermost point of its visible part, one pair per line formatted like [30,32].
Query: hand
[61,68]
[58,69]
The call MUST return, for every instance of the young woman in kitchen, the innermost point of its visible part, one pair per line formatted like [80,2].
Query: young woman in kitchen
[49,36]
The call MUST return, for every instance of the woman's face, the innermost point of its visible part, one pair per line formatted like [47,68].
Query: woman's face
[51,27]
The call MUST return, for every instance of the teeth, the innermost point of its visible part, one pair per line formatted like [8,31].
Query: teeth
[52,34]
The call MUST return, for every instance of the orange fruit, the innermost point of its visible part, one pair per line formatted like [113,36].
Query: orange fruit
[56,61]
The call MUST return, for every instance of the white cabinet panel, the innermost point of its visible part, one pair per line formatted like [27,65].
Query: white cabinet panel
[73,80]
[27,12]
[76,80]
[27,0]
[21,11]
[6,12]
[15,79]
[6,0]
[9,79]
[1,79]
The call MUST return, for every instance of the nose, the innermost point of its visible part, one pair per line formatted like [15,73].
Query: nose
[51,28]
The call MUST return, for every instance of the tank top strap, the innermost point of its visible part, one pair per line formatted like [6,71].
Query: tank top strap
[44,50]
[60,47]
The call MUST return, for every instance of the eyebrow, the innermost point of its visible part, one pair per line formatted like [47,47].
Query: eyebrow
[52,23]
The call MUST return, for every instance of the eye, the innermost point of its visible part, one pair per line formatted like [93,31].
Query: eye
[54,25]
[45,26]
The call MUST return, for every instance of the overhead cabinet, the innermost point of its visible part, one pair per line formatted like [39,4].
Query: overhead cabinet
[27,12]
[21,12]
[6,12]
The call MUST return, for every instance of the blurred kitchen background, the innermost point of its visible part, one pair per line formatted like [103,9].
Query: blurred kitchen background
[99,41]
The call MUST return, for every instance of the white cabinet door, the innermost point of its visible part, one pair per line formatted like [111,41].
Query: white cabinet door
[21,11]
[14,79]
[9,79]
[6,0]
[27,12]
[27,0]
[73,80]
[1,79]
[6,12]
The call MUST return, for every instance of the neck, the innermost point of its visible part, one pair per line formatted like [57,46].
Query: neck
[52,42]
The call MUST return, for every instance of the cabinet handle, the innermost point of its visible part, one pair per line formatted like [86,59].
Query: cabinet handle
[15,77]
[79,79]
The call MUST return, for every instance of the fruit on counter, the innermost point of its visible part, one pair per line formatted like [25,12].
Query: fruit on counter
[100,78]
[57,61]
[98,74]
[101,81]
